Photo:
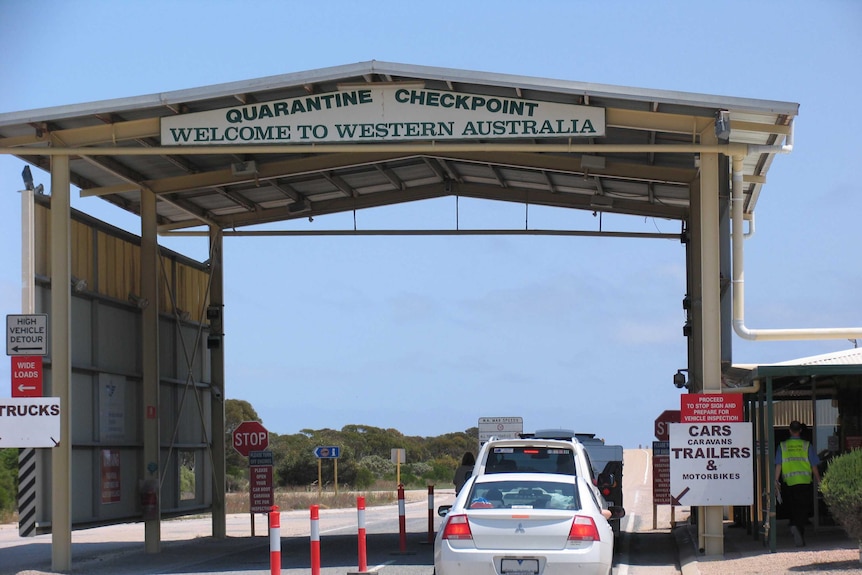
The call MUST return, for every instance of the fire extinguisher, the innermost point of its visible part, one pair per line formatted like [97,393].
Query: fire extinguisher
[149,489]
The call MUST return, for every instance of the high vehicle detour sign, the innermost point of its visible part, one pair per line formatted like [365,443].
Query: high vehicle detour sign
[711,462]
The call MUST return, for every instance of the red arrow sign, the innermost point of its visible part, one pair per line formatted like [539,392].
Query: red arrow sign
[26,376]
[250,436]
[662,431]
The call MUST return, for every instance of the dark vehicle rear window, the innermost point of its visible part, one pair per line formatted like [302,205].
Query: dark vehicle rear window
[524,495]
[531,460]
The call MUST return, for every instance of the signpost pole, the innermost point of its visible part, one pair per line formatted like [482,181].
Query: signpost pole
[29,464]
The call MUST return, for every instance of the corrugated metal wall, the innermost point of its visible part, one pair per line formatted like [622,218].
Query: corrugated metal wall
[109,261]
[107,405]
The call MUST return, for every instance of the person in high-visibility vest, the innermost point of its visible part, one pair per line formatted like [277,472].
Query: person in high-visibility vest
[796,459]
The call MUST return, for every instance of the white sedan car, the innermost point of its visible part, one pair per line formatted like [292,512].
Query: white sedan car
[524,524]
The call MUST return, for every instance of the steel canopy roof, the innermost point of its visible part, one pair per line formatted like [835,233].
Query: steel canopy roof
[644,165]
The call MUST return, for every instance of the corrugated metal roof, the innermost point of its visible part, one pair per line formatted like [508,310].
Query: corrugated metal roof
[844,357]
[291,181]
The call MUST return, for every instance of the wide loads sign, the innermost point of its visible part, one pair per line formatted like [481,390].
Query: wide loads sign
[384,114]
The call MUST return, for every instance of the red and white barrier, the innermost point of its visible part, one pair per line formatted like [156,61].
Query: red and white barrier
[430,514]
[402,521]
[274,540]
[315,540]
[360,512]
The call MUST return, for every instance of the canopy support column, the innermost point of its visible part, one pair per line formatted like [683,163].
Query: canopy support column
[150,363]
[711,531]
[61,363]
[219,518]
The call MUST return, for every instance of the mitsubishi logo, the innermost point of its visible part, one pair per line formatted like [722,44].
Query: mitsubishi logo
[520,528]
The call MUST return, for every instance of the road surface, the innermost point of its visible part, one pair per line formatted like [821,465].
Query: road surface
[188,548]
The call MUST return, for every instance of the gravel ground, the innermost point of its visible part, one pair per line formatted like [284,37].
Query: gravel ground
[828,551]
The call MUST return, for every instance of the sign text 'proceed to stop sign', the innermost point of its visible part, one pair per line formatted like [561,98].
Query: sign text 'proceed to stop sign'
[250,436]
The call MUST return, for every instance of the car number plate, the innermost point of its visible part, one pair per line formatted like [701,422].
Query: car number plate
[519,566]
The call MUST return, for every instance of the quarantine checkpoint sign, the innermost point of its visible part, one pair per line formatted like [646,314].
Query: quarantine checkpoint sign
[711,452]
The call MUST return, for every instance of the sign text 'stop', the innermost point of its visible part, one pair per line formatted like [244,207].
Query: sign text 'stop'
[668,416]
[250,436]
[383,114]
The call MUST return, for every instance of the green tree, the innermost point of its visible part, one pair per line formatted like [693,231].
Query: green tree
[842,491]
[8,480]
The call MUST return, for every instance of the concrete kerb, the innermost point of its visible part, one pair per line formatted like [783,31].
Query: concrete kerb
[686,549]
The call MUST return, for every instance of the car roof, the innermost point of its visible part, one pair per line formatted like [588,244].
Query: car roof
[524,476]
[532,441]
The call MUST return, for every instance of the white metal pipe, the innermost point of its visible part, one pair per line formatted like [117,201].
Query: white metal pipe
[28,252]
[739,281]
[753,388]
[750,231]
[786,148]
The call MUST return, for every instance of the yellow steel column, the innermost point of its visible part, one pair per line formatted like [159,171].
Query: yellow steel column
[150,357]
[709,215]
[59,326]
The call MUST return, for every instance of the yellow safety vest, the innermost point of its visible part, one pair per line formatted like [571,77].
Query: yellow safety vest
[795,466]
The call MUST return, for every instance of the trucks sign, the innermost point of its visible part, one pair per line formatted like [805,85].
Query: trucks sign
[30,422]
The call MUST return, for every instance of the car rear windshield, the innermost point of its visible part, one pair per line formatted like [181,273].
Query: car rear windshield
[525,459]
[524,494]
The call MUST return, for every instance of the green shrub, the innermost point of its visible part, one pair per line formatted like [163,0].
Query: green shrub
[8,481]
[842,491]
[364,478]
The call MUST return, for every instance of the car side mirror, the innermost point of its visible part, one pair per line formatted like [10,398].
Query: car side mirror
[443,510]
[607,479]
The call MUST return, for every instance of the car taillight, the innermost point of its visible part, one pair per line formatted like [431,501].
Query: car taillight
[583,529]
[606,491]
[457,527]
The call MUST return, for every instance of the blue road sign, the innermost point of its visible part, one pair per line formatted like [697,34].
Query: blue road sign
[327,452]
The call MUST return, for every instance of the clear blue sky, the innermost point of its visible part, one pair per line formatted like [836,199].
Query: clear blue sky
[426,335]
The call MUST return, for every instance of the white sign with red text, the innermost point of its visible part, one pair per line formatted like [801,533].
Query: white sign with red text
[710,407]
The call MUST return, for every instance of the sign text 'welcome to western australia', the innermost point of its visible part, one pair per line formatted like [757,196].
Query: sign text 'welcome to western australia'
[384,114]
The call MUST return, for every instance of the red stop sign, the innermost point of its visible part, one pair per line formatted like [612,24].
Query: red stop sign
[250,436]
[662,431]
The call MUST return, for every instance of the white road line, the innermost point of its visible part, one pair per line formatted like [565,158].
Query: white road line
[647,466]
[381,566]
